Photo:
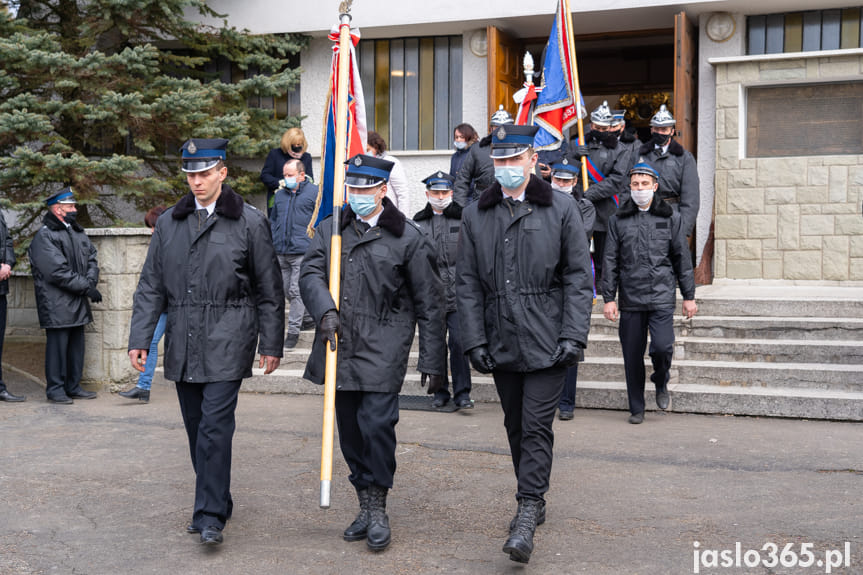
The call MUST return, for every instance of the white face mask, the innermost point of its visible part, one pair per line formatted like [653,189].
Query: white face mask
[565,189]
[641,197]
[440,204]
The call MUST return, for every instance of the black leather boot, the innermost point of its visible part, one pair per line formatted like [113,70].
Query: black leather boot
[540,516]
[357,530]
[520,542]
[142,395]
[378,535]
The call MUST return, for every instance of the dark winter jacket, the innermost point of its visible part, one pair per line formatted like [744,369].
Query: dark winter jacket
[274,165]
[221,288]
[613,159]
[476,173]
[523,277]
[678,179]
[389,285]
[64,267]
[646,258]
[291,214]
[443,230]
[7,251]
[457,159]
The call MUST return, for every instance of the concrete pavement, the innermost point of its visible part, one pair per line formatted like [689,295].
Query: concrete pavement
[106,487]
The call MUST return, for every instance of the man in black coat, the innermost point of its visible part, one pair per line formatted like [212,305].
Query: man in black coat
[212,267]
[477,170]
[646,258]
[7,262]
[524,294]
[65,274]
[389,284]
[441,220]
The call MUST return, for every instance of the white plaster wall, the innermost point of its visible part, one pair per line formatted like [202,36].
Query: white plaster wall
[707,48]
[474,87]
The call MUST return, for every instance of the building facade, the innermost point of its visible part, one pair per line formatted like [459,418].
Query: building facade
[768,96]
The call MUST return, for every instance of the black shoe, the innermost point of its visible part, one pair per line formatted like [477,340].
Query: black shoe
[211,535]
[308,324]
[437,402]
[64,399]
[636,418]
[136,392]
[358,530]
[540,516]
[6,396]
[464,404]
[519,545]
[82,394]
[378,536]
[291,340]
[190,528]
[662,398]
[565,415]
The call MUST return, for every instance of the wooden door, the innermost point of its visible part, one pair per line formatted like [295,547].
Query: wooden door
[685,81]
[504,70]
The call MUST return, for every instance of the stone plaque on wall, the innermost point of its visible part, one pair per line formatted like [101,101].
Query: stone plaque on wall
[805,120]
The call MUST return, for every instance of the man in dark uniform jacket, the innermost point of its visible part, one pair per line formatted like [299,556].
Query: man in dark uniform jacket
[65,274]
[7,262]
[612,161]
[212,267]
[441,219]
[524,295]
[390,283]
[678,173]
[646,259]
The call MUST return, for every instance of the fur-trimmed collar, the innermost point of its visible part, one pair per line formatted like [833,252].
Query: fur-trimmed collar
[627,136]
[54,224]
[485,142]
[674,148]
[229,204]
[391,219]
[452,211]
[538,192]
[659,208]
[601,138]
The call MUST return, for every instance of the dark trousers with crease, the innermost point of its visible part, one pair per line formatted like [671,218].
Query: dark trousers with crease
[634,326]
[529,401]
[2,335]
[64,360]
[459,368]
[367,436]
[208,415]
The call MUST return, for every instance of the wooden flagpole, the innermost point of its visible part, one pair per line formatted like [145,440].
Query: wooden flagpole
[577,96]
[336,245]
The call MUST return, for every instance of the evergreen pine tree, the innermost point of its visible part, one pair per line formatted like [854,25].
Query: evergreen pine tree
[100,94]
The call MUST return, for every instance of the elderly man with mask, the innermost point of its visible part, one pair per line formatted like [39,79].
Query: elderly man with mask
[524,295]
[646,259]
[389,284]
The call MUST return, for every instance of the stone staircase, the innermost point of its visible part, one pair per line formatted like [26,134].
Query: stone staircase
[756,349]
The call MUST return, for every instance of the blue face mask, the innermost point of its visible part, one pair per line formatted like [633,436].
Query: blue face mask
[291,183]
[362,205]
[509,177]
[460,145]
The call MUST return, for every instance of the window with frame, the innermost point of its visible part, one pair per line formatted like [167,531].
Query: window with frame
[813,30]
[413,90]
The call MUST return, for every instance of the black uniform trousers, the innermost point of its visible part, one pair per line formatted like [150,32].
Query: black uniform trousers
[633,329]
[2,336]
[208,414]
[64,360]
[367,436]
[597,256]
[529,401]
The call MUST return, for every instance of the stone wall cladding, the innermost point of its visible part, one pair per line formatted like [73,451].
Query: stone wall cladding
[795,218]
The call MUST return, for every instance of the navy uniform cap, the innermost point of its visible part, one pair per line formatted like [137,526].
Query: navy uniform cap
[511,140]
[564,170]
[367,171]
[201,154]
[644,168]
[439,181]
[619,117]
[64,196]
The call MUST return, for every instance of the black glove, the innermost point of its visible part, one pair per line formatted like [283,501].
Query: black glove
[580,151]
[329,327]
[94,295]
[568,353]
[481,359]
[436,382]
